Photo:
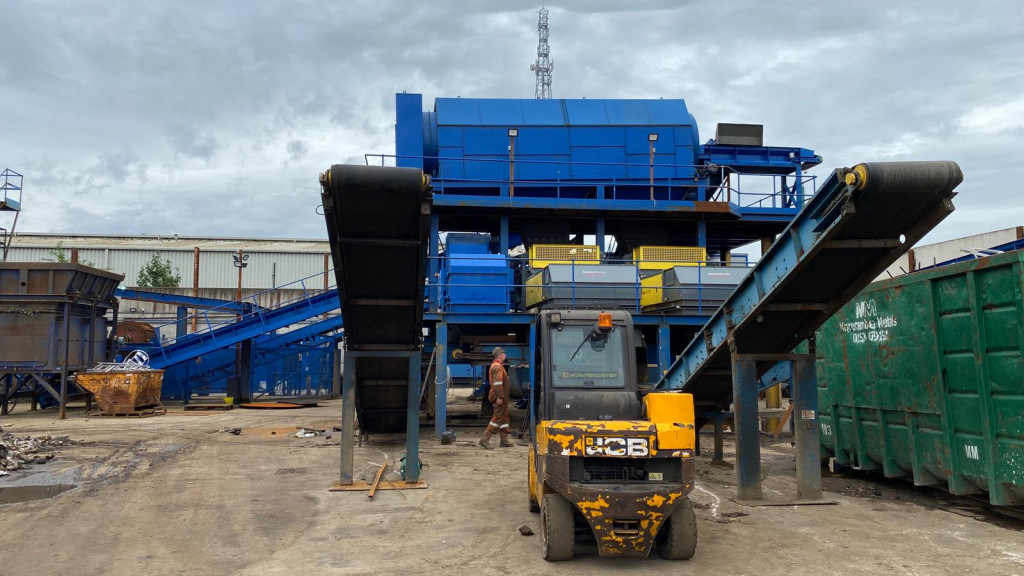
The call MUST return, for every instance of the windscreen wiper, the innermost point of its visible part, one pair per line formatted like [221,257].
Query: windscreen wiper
[580,347]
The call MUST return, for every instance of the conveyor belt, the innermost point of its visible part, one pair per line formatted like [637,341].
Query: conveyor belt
[859,222]
[378,220]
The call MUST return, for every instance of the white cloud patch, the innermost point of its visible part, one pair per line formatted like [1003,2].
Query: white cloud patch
[994,118]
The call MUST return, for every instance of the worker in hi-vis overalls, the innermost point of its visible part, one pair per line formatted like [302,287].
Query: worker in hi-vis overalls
[499,397]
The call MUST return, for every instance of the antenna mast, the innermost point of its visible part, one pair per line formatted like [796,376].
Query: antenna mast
[544,65]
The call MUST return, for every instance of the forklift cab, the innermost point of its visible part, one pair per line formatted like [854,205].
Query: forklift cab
[588,367]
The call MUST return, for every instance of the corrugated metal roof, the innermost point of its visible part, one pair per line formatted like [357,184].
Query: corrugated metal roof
[39,240]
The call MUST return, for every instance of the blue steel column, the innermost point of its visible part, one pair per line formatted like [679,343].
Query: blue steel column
[748,442]
[348,416]
[412,426]
[798,186]
[664,350]
[702,234]
[503,250]
[181,327]
[440,378]
[808,431]
[433,262]
[599,237]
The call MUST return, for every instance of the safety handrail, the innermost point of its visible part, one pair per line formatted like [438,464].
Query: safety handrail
[227,314]
[442,283]
[782,195]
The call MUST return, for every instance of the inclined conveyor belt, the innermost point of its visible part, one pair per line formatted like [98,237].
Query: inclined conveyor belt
[378,220]
[858,223]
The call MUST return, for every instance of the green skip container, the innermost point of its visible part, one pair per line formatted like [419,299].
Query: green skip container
[922,377]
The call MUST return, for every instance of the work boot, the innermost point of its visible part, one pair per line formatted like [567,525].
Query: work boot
[504,440]
[485,440]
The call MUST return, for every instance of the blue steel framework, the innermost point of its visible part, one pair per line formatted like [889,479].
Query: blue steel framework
[857,224]
[540,171]
[203,360]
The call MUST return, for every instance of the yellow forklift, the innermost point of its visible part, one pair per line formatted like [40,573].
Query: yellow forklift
[603,459]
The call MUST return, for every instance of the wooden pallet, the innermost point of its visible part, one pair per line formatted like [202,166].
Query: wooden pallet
[154,411]
[195,407]
[360,486]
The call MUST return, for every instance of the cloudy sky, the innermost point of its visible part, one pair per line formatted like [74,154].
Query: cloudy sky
[214,118]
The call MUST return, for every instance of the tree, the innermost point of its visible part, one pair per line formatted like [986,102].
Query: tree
[56,254]
[159,274]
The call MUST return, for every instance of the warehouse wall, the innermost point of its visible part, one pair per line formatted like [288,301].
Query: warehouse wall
[264,269]
[929,254]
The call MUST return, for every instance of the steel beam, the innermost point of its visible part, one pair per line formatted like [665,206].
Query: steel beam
[182,300]
[64,364]
[440,378]
[745,426]
[808,430]
[664,349]
[412,423]
[348,410]
[348,417]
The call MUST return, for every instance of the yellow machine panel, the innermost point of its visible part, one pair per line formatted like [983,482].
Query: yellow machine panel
[543,254]
[665,257]
[534,290]
[651,292]
[673,415]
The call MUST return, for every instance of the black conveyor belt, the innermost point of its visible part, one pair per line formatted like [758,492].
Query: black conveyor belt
[858,223]
[378,220]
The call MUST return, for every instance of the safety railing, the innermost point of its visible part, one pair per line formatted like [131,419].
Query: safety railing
[502,293]
[212,319]
[10,186]
[658,182]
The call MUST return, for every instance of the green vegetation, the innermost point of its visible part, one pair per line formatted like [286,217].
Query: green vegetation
[158,273]
[57,254]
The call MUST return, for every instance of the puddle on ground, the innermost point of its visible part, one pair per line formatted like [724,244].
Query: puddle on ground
[15,494]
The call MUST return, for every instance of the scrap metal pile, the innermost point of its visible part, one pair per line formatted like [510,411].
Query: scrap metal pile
[18,452]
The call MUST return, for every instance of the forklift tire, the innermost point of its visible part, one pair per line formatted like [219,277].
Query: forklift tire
[678,537]
[557,528]
[534,507]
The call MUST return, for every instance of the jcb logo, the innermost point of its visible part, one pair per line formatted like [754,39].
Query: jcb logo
[616,446]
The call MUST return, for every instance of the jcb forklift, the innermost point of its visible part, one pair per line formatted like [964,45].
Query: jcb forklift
[602,458]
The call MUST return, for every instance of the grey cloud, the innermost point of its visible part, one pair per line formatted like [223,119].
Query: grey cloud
[297,149]
[120,167]
[188,142]
[184,105]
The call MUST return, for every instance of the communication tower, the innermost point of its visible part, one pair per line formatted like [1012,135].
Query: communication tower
[544,64]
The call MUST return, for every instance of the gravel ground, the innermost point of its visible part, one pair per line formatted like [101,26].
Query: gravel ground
[184,494]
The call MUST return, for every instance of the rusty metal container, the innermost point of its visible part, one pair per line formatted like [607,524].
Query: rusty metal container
[124,392]
[922,376]
[35,297]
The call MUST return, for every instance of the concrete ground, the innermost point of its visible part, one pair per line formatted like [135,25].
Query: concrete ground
[181,494]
